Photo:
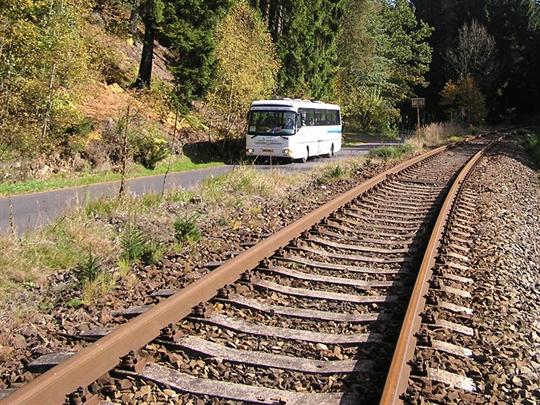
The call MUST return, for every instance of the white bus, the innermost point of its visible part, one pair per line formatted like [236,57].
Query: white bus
[293,129]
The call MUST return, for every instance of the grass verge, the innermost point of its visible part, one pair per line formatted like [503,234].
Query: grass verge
[437,134]
[391,152]
[182,164]
[111,244]
[130,232]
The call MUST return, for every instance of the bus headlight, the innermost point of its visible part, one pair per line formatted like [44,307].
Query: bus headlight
[249,151]
[287,152]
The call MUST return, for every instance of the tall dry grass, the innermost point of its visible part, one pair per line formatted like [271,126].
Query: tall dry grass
[435,134]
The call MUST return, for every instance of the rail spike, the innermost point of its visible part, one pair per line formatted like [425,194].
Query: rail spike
[82,397]
[203,310]
[132,362]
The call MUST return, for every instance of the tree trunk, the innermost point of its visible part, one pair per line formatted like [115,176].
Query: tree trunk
[125,150]
[47,115]
[173,143]
[145,68]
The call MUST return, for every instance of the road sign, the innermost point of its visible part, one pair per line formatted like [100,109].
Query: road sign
[418,102]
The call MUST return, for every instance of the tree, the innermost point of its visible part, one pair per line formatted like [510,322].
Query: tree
[474,52]
[152,14]
[464,100]
[305,33]
[514,26]
[383,55]
[247,64]
[188,28]
[43,54]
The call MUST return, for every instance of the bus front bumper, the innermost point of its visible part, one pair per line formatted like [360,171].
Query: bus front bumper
[276,152]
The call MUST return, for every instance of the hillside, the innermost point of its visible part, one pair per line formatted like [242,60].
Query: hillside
[96,86]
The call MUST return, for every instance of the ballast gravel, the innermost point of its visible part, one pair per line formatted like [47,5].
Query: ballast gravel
[505,267]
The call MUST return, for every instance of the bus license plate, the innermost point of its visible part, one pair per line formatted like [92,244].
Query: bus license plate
[268,150]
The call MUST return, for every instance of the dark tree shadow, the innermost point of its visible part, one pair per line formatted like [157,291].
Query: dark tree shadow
[230,151]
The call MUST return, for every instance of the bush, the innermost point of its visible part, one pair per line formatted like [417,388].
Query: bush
[186,229]
[464,100]
[89,270]
[137,247]
[149,150]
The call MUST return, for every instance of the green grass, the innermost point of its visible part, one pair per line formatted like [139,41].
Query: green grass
[391,152]
[182,164]
[456,138]
[355,139]
[332,173]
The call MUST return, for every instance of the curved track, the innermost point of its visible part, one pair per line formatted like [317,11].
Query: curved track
[310,315]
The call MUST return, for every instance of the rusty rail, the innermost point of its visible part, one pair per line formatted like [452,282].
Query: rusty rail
[398,376]
[97,359]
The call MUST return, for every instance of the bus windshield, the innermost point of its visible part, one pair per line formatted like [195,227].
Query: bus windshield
[272,123]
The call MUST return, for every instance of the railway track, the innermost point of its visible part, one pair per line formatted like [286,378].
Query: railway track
[312,314]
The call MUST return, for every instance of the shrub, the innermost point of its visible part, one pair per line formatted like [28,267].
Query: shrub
[89,270]
[464,100]
[149,150]
[186,229]
[138,247]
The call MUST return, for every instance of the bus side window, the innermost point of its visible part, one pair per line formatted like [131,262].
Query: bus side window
[318,117]
[310,117]
[300,119]
[325,117]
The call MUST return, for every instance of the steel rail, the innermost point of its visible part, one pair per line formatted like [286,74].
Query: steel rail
[100,357]
[397,379]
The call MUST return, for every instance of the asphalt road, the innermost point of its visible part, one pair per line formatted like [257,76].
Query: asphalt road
[30,211]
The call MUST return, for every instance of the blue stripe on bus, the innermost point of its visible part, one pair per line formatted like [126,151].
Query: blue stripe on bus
[334,131]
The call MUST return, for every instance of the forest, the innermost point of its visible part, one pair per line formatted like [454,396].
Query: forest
[190,69]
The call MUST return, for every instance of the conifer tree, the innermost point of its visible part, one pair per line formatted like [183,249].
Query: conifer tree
[305,35]
[188,29]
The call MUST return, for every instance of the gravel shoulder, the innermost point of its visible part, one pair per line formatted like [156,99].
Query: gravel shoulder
[507,275]
[505,268]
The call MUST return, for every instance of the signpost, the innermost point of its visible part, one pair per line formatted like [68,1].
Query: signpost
[418,103]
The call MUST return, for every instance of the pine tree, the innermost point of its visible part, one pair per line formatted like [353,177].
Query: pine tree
[188,29]
[305,35]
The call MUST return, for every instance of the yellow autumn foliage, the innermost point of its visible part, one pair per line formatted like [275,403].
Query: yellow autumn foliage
[464,100]
[247,64]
